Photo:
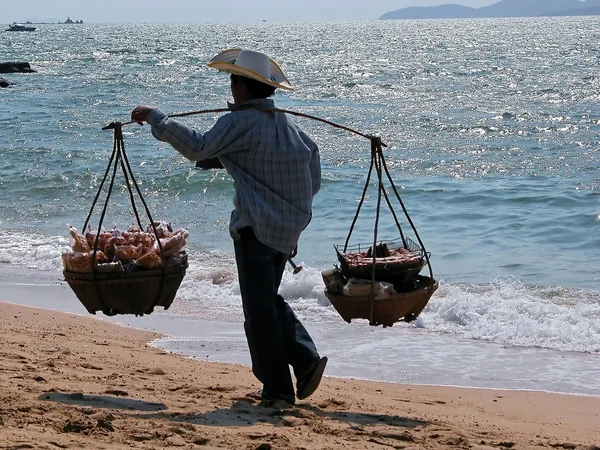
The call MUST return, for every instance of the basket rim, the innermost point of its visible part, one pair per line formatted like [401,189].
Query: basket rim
[398,240]
[381,267]
[147,273]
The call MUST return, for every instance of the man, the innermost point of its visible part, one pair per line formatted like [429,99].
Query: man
[276,173]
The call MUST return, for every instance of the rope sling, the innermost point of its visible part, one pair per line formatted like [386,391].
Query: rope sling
[126,290]
[377,164]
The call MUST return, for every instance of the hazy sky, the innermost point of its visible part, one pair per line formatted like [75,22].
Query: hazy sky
[128,11]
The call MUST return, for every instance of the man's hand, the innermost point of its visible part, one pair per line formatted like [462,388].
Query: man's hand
[140,113]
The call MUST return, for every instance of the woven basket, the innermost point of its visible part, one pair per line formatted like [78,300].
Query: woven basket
[126,293]
[384,271]
[402,306]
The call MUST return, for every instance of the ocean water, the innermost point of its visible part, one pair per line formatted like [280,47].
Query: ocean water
[493,134]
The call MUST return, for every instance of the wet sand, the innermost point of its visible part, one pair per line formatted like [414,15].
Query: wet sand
[69,381]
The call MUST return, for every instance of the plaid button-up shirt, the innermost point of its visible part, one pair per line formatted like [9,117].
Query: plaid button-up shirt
[275,167]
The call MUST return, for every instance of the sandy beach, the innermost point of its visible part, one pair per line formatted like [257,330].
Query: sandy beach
[70,381]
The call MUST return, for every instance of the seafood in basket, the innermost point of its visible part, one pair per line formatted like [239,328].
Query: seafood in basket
[394,265]
[126,251]
[399,257]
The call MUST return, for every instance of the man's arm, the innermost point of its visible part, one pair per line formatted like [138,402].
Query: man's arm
[190,143]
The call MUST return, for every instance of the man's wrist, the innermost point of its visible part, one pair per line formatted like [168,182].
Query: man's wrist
[156,115]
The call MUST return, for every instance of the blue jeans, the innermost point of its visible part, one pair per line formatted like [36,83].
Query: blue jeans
[276,338]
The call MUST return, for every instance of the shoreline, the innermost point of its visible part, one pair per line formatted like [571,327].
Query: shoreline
[394,355]
[70,381]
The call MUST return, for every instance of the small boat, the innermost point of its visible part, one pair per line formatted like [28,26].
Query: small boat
[19,27]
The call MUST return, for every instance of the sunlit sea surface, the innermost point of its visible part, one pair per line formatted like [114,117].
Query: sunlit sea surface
[492,129]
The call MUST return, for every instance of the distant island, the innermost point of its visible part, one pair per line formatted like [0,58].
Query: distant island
[70,21]
[502,8]
[50,22]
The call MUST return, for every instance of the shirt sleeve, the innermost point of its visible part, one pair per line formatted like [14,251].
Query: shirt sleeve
[314,165]
[315,171]
[195,146]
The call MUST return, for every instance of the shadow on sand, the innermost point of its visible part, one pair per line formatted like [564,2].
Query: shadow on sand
[102,401]
[245,413]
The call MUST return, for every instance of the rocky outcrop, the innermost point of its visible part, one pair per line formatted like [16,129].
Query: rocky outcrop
[5,83]
[16,67]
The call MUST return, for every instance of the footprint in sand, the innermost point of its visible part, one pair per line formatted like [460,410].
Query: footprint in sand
[332,402]
[152,371]
[90,366]
[117,392]
[221,388]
